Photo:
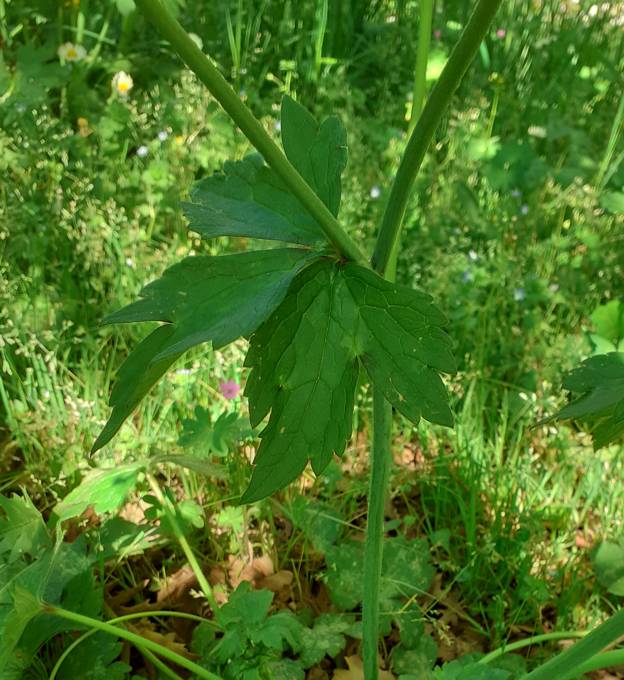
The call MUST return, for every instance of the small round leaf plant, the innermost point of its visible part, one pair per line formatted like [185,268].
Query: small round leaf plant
[317,311]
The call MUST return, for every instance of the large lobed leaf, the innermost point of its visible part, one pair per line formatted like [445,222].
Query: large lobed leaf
[305,361]
[599,382]
[313,321]
[201,299]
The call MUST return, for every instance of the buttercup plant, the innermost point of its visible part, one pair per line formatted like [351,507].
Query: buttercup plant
[317,312]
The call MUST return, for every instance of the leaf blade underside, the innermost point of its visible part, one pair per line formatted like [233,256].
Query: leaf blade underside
[304,365]
[200,299]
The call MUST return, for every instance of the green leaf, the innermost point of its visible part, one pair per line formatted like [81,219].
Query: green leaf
[608,321]
[248,199]
[406,572]
[327,637]
[22,584]
[305,360]
[608,561]
[305,372]
[417,660]
[318,152]
[104,489]
[458,670]
[136,377]
[600,382]
[22,530]
[320,523]
[201,299]
[94,659]
[24,607]
[204,438]
[402,345]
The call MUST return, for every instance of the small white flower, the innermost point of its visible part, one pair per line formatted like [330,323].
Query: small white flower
[129,262]
[472,254]
[142,151]
[375,192]
[537,131]
[70,52]
[122,83]
[277,126]
[162,135]
[524,209]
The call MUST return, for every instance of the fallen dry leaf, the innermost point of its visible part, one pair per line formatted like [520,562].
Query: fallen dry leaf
[178,584]
[276,582]
[356,671]
[167,640]
[239,570]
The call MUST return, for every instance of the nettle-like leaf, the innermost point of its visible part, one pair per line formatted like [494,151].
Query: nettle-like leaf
[305,361]
[599,382]
[312,320]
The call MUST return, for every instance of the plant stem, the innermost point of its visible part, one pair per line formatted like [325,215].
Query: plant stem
[566,665]
[121,619]
[373,550]
[604,660]
[205,70]
[422,57]
[135,639]
[421,137]
[170,511]
[611,144]
[536,639]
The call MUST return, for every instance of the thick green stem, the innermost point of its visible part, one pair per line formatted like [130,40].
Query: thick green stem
[380,471]
[566,665]
[422,135]
[205,70]
[422,57]
[133,638]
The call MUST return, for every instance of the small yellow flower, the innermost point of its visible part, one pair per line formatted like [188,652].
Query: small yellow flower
[122,83]
[70,52]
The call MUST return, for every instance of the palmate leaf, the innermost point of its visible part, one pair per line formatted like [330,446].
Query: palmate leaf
[599,382]
[201,299]
[313,321]
[305,361]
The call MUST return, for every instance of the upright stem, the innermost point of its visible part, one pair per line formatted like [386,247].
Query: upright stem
[170,511]
[205,70]
[378,484]
[422,57]
[422,135]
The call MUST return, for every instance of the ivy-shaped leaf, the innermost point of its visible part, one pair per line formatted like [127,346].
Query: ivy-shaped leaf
[305,360]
